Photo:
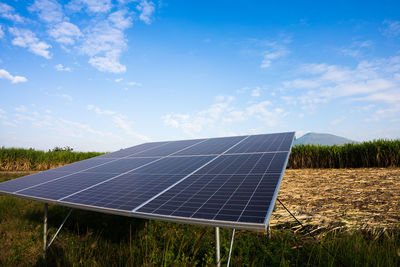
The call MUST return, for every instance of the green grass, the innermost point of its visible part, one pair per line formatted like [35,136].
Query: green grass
[377,153]
[95,239]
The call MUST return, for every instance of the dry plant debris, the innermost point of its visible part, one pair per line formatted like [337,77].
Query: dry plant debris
[367,198]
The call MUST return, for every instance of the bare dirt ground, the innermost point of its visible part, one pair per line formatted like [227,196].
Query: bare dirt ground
[333,198]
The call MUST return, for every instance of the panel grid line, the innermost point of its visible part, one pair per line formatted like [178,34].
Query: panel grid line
[204,186]
[221,187]
[277,187]
[123,173]
[227,182]
[255,189]
[135,209]
[29,187]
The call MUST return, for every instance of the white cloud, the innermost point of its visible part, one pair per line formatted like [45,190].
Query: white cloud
[1,32]
[134,84]
[120,122]
[256,92]
[21,109]
[118,80]
[107,63]
[275,52]
[100,111]
[27,39]
[67,97]
[60,67]
[127,128]
[120,19]
[356,48]
[338,121]
[146,10]
[8,123]
[223,113]
[65,33]
[76,128]
[104,44]
[49,11]
[370,81]
[92,6]
[391,28]
[8,12]
[14,79]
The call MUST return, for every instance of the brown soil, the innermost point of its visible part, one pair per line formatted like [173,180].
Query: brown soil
[333,198]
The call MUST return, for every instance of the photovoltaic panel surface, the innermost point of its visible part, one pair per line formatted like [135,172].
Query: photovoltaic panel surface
[230,181]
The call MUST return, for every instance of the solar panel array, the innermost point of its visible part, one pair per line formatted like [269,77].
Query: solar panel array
[227,182]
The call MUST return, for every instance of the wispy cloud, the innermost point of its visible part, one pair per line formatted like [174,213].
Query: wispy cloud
[120,19]
[92,6]
[356,48]
[21,109]
[60,67]
[8,12]
[104,43]
[64,127]
[256,92]
[372,81]
[67,97]
[274,52]
[120,122]
[134,84]
[27,39]
[65,33]
[391,28]
[1,32]
[14,79]
[146,9]
[224,113]
[49,11]
[101,36]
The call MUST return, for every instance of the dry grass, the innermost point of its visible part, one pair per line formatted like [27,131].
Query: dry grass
[332,198]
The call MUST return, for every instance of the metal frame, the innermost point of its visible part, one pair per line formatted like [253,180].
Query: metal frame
[273,200]
[228,224]
[230,249]
[217,248]
[45,246]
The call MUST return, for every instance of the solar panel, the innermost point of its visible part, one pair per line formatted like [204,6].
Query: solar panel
[227,182]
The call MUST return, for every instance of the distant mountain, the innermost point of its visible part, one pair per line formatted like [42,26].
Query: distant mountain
[322,139]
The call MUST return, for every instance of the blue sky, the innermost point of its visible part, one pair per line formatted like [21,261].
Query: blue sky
[104,75]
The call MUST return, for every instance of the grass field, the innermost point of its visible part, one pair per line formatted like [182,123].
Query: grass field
[93,239]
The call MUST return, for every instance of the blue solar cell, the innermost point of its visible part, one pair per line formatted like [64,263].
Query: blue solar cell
[219,180]
[63,187]
[223,189]
[30,180]
[128,191]
[82,165]
[125,192]
[131,151]
[212,146]
[175,165]
[122,165]
[264,143]
[167,149]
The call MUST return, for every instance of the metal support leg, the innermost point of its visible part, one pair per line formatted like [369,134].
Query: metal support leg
[45,229]
[217,248]
[59,228]
[230,249]
[269,231]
